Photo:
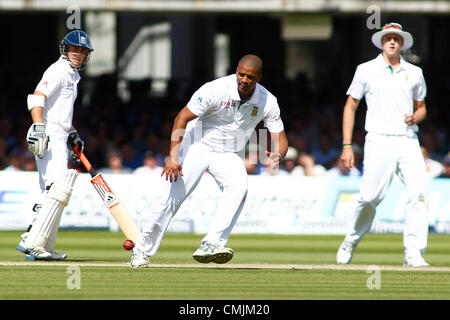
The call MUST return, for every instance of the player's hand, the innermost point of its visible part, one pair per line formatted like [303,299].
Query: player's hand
[274,160]
[37,139]
[410,119]
[348,158]
[171,170]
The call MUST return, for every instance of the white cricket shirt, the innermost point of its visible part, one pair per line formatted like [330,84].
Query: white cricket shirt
[225,123]
[390,94]
[59,84]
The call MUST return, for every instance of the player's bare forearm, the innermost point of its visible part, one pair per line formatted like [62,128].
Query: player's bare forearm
[348,119]
[280,146]
[178,130]
[348,123]
[37,114]
[173,167]
[280,143]
[420,113]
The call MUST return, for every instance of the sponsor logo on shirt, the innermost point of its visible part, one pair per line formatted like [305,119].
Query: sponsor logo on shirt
[228,104]
[70,85]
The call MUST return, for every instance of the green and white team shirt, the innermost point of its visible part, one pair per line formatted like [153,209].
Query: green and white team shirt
[225,123]
[390,94]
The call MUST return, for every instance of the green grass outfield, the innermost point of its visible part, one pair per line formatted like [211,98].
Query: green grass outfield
[265,267]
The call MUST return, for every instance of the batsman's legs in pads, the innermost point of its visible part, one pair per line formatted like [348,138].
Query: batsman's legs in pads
[52,166]
[43,232]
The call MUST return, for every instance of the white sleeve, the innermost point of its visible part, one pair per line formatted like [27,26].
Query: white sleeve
[272,120]
[357,88]
[420,89]
[201,101]
[49,83]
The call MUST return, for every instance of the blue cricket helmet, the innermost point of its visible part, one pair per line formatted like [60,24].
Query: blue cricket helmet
[76,38]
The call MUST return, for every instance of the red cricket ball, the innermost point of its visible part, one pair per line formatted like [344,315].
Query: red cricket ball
[128,244]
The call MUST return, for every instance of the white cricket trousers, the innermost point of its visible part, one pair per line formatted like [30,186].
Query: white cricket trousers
[54,162]
[384,156]
[227,169]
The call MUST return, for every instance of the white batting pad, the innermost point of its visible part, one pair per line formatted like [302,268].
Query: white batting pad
[51,240]
[44,230]
[62,190]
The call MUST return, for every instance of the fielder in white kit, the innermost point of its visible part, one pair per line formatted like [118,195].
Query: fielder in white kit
[208,135]
[395,93]
[51,109]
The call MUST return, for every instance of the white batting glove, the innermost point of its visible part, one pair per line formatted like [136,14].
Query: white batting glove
[37,139]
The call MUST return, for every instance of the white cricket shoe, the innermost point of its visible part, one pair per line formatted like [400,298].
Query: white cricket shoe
[38,252]
[55,256]
[414,260]
[58,256]
[139,259]
[345,252]
[209,252]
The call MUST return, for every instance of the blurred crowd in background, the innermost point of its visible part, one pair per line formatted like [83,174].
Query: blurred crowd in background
[132,134]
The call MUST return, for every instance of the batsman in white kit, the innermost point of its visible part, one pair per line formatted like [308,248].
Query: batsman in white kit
[208,135]
[395,93]
[51,108]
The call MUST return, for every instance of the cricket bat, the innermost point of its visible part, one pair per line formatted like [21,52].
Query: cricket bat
[111,201]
